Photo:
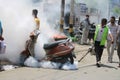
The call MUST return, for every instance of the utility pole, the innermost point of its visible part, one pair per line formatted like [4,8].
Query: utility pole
[109,9]
[71,18]
[62,15]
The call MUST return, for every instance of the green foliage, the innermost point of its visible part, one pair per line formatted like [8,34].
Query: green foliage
[116,10]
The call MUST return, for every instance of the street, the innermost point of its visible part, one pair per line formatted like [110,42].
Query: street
[87,70]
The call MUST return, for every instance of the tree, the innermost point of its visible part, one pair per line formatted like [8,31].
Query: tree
[116,10]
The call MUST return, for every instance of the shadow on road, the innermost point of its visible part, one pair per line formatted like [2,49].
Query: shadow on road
[102,65]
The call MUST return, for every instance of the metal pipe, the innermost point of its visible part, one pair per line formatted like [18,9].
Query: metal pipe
[71,18]
[62,15]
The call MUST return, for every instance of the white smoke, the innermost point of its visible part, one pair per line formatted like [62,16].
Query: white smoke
[17,22]
[31,62]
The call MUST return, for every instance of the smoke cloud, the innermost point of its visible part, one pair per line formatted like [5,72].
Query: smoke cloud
[17,22]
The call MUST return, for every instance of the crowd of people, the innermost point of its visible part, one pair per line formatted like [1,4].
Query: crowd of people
[106,34]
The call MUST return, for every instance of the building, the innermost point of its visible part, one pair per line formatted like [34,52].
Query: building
[81,10]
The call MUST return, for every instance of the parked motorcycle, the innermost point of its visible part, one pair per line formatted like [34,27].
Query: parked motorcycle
[60,51]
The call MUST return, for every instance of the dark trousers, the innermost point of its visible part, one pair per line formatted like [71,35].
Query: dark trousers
[98,50]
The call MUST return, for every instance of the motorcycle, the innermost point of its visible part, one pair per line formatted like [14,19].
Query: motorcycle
[60,51]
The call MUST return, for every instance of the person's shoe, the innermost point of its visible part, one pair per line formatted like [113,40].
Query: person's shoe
[98,65]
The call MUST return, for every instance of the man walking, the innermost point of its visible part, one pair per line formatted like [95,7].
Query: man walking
[101,33]
[110,47]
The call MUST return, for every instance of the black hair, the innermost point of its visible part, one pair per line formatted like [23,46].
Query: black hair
[104,21]
[113,17]
[87,15]
[35,12]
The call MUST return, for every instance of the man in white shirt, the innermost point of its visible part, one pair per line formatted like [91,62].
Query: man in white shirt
[110,47]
